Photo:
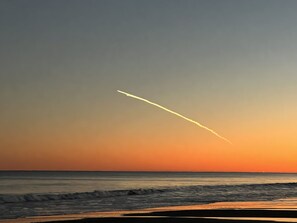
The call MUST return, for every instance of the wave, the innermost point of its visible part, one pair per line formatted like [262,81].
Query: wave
[73,196]
[232,190]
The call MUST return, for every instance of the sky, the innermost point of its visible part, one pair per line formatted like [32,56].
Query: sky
[228,64]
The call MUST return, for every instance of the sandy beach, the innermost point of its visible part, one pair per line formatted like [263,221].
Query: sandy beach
[221,212]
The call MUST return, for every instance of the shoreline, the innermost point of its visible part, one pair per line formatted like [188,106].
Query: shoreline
[221,212]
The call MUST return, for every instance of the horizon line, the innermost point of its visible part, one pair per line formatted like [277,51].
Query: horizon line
[143,171]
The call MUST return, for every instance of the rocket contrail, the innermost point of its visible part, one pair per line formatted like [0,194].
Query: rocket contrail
[175,113]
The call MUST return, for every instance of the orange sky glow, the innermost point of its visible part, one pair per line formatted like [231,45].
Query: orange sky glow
[229,65]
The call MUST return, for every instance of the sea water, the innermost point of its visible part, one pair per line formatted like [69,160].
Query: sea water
[36,193]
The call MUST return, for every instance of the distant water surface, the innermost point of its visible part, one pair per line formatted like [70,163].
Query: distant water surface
[31,193]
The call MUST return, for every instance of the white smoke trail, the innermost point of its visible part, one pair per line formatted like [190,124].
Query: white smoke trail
[175,113]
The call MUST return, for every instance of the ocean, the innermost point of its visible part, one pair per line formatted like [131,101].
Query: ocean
[37,193]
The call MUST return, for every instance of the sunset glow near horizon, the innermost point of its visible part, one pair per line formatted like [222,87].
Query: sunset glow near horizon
[229,64]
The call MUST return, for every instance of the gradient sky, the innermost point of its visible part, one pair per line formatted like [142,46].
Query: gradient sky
[228,64]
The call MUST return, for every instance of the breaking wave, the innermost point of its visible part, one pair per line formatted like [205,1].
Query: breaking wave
[269,191]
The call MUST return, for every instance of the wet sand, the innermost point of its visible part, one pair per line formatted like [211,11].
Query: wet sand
[234,212]
[203,216]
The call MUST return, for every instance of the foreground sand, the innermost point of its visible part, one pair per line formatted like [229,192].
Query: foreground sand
[192,216]
[234,212]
